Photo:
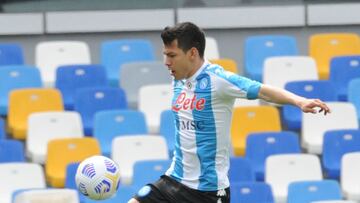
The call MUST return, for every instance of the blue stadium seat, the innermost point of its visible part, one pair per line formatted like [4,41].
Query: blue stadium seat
[324,90]
[270,143]
[11,151]
[70,175]
[336,144]
[70,179]
[240,170]
[111,123]
[88,101]
[258,48]
[114,53]
[342,70]
[2,129]
[251,192]
[309,191]
[148,171]
[15,77]
[11,54]
[354,95]
[72,77]
[167,129]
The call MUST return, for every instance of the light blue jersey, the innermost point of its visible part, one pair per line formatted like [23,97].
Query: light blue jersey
[202,106]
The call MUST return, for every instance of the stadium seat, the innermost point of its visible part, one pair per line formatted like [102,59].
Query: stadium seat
[270,143]
[23,102]
[62,152]
[309,191]
[11,151]
[2,129]
[111,123]
[281,170]
[126,150]
[70,183]
[115,53]
[154,99]
[240,170]
[252,119]
[71,169]
[49,55]
[211,48]
[321,89]
[342,70]
[350,176]
[72,77]
[16,176]
[167,129]
[90,100]
[154,169]
[258,48]
[354,95]
[251,192]
[11,54]
[123,194]
[283,69]
[239,102]
[47,195]
[334,201]
[227,64]
[315,125]
[135,75]
[46,126]
[336,144]
[323,47]
[15,77]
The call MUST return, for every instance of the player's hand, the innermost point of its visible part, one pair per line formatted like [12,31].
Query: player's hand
[311,106]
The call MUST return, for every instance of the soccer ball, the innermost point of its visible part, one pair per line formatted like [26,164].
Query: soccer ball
[97,177]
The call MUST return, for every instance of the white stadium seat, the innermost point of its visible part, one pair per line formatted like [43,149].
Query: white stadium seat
[281,170]
[16,176]
[45,126]
[342,116]
[126,150]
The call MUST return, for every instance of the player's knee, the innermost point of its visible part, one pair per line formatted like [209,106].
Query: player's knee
[133,201]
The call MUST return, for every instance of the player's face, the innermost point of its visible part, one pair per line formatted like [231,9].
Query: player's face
[177,61]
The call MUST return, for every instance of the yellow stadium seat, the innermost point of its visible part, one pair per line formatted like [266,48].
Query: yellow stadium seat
[62,152]
[227,64]
[252,119]
[23,102]
[323,47]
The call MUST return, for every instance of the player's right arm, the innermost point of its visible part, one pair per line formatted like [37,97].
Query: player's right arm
[236,86]
[282,96]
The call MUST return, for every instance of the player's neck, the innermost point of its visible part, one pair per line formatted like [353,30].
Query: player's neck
[196,66]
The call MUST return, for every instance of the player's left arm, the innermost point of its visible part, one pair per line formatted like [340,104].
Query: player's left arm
[282,96]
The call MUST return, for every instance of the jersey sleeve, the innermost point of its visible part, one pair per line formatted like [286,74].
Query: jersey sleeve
[232,85]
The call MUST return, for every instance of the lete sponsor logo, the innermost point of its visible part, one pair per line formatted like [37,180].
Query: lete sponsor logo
[188,103]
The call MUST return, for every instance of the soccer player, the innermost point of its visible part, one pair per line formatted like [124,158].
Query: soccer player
[204,95]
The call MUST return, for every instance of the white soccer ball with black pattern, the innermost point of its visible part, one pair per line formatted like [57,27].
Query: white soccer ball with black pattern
[97,177]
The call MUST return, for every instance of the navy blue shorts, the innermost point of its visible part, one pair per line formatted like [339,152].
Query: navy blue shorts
[168,190]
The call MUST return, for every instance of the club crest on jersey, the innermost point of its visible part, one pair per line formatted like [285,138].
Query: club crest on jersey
[203,83]
[182,102]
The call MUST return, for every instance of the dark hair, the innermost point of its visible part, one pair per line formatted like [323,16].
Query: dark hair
[188,35]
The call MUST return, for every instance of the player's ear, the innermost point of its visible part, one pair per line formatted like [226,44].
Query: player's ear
[193,52]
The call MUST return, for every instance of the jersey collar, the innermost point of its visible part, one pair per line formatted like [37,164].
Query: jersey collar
[203,66]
